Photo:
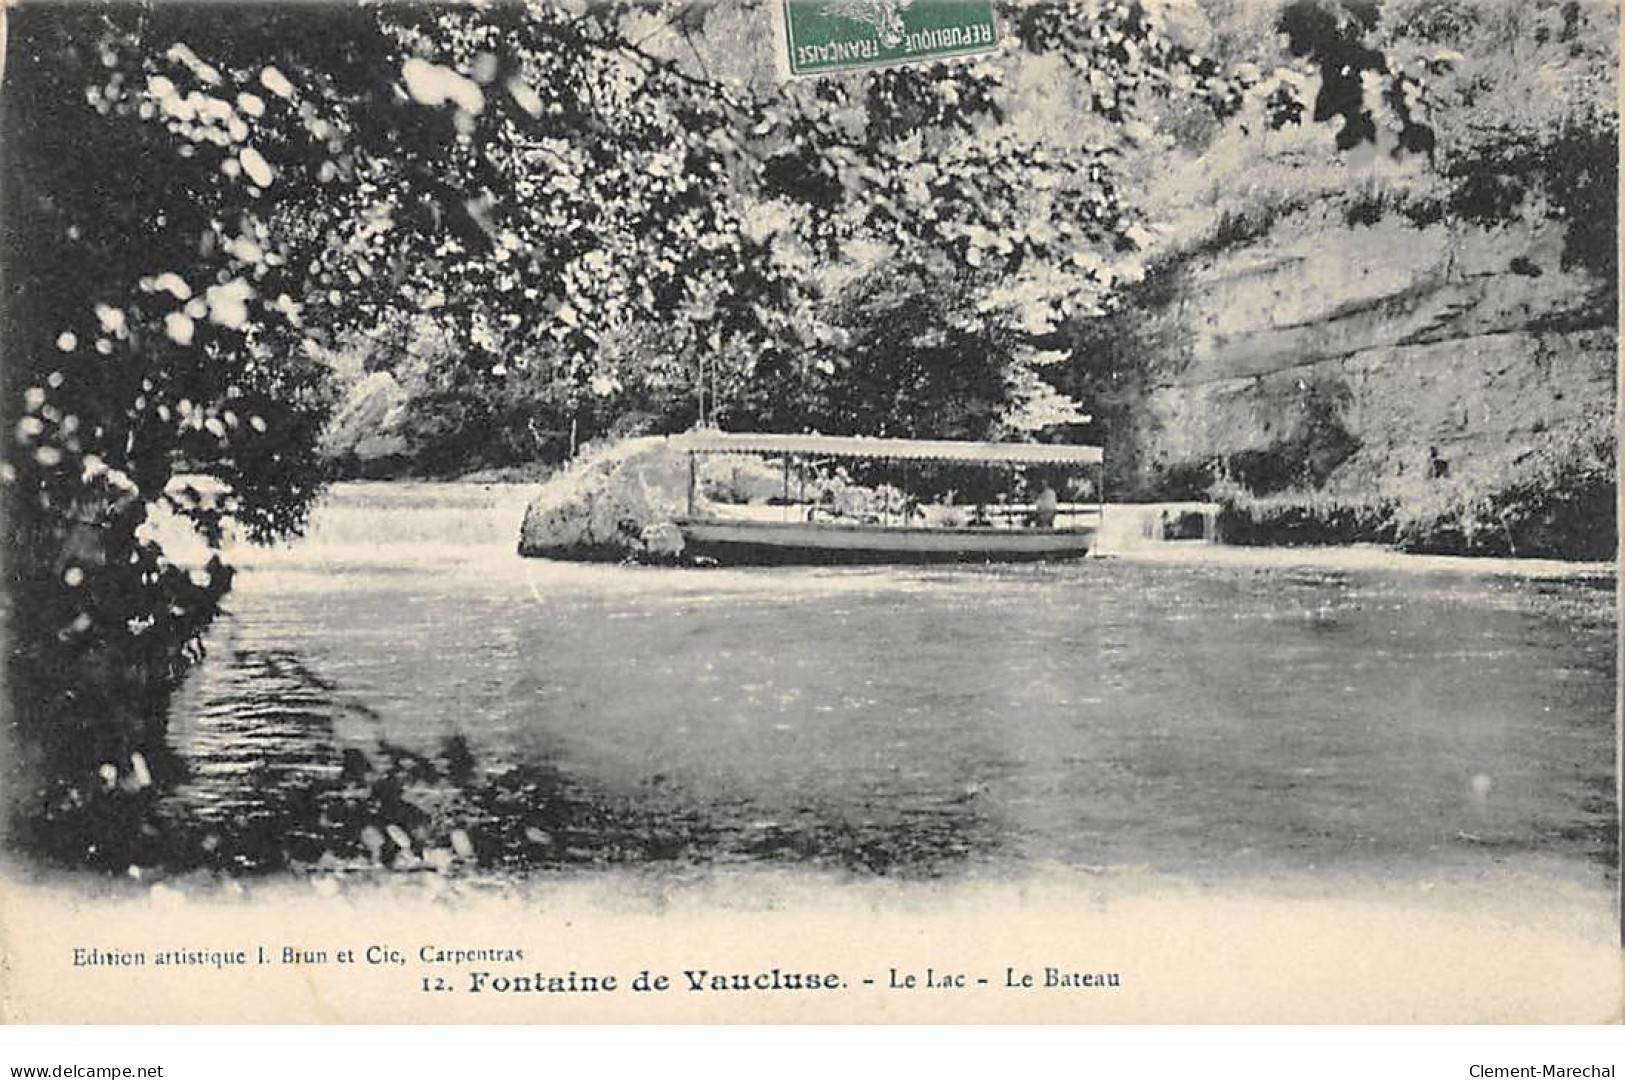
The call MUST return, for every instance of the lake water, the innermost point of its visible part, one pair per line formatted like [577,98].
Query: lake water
[401,690]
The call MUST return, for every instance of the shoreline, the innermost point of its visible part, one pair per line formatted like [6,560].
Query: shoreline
[1129,546]
[1353,557]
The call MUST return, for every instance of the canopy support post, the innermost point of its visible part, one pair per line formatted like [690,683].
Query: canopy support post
[693,482]
[1100,504]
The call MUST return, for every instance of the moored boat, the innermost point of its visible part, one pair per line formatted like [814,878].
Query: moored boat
[1043,531]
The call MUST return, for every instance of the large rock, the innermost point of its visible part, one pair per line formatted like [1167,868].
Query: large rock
[618,501]
[614,502]
[662,540]
[1395,355]
[367,434]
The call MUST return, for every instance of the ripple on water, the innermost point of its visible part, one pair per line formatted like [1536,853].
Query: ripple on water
[404,668]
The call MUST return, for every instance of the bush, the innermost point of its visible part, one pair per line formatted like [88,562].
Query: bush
[1559,501]
[741,479]
[1298,519]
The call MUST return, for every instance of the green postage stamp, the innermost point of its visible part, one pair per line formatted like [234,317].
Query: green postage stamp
[840,35]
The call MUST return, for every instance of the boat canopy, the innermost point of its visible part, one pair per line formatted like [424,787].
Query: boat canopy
[723,442]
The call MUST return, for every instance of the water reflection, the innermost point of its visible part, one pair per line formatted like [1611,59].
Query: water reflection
[401,691]
[273,785]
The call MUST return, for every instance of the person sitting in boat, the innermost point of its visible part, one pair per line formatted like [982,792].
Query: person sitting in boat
[1045,507]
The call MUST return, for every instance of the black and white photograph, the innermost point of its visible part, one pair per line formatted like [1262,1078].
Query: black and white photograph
[1088,511]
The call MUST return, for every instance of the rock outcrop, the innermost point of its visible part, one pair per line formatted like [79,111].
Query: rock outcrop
[367,435]
[612,502]
[1367,359]
[619,500]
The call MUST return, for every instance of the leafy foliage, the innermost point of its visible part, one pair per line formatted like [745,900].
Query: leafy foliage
[1477,117]
[553,222]
[1559,501]
[573,221]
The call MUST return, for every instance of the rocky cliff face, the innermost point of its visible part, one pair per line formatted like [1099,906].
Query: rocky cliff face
[1372,359]
[368,434]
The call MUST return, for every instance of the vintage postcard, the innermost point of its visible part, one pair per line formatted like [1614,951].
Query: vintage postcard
[810,510]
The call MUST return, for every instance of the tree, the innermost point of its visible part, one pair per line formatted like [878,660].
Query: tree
[203,200]
[155,256]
